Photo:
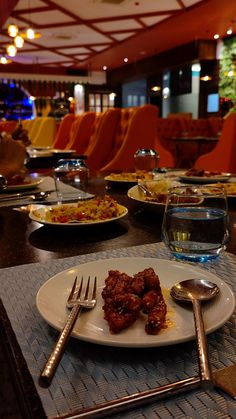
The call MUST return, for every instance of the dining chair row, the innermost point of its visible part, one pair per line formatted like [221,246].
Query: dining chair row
[109,139]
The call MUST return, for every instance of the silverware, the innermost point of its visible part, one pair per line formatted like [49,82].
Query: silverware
[37,196]
[195,291]
[224,378]
[78,302]
[146,191]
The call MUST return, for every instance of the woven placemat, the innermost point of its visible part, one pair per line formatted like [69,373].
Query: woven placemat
[90,374]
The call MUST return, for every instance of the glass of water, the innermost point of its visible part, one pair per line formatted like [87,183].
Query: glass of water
[195,222]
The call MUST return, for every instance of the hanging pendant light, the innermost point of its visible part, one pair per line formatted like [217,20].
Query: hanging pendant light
[11,50]
[12,30]
[19,41]
[4,60]
[30,33]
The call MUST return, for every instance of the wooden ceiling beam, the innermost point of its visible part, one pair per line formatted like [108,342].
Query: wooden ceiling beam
[6,8]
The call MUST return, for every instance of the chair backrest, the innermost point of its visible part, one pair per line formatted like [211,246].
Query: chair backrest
[140,133]
[215,125]
[198,128]
[33,131]
[63,132]
[222,157]
[46,133]
[81,131]
[102,138]
[27,124]
[167,159]
[8,126]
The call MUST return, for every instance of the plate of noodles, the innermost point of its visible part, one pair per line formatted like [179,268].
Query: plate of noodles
[83,213]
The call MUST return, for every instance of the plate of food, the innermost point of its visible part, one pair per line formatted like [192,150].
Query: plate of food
[230,188]
[177,323]
[204,176]
[83,213]
[152,193]
[22,182]
[129,177]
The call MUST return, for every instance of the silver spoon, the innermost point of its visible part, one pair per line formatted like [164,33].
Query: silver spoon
[37,196]
[196,291]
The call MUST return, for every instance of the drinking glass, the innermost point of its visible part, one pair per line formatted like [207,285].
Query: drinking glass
[195,222]
[146,159]
[68,175]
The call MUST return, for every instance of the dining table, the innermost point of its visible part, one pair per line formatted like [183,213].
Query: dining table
[93,373]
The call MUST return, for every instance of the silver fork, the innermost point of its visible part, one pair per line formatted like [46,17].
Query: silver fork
[77,302]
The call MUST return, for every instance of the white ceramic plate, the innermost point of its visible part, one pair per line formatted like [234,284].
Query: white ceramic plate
[137,195]
[91,326]
[129,177]
[207,179]
[31,184]
[38,213]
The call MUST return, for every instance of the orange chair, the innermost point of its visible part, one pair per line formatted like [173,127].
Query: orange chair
[166,157]
[215,125]
[222,157]
[8,126]
[140,133]
[46,133]
[102,138]
[81,131]
[62,136]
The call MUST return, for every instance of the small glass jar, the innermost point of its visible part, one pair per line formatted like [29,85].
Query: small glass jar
[146,159]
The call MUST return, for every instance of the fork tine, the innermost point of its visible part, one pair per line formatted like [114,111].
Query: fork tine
[94,288]
[73,289]
[80,289]
[87,289]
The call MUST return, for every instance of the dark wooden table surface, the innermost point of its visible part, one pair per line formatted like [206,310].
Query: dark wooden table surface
[23,241]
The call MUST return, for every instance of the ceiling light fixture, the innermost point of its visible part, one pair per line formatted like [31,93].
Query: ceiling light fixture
[104,67]
[12,30]
[206,78]
[11,50]
[126,59]
[30,32]
[4,60]
[19,41]
[216,36]
[229,31]
[156,88]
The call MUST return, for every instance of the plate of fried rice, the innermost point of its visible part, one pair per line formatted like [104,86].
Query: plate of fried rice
[89,212]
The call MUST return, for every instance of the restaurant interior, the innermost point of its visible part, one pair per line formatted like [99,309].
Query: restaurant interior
[123,114]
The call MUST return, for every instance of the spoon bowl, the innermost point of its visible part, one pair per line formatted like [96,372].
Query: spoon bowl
[190,289]
[39,196]
[197,291]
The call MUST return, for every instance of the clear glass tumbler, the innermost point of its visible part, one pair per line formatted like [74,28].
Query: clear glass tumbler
[195,222]
[69,175]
